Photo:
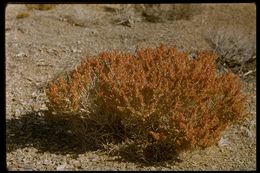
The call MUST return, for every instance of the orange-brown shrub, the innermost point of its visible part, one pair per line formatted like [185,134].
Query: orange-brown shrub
[158,93]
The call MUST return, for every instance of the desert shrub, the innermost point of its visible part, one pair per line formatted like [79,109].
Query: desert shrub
[236,50]
[125,15]
[158,96]
[162,12]
[184,11]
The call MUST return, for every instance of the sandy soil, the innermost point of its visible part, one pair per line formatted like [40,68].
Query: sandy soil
[45,43]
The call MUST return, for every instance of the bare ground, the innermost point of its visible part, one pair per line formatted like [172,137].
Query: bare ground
[47,42]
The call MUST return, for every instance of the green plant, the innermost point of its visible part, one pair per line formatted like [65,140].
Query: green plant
[158,94]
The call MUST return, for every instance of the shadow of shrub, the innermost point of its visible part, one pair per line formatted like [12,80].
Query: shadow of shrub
[32,130]
[150,154]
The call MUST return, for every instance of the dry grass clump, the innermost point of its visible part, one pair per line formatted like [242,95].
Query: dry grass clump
[22,15]
[158,97]
[40,6]
[236,51]
[162,12]
[125,15]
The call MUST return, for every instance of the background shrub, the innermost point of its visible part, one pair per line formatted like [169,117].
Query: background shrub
[236,50]
[158,96]
[128,14]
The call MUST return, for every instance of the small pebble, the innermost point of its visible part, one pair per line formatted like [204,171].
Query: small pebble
[153,168]
[61,167]
[77,164]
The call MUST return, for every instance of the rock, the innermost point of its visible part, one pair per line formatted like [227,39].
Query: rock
[77,164]
[20,54]
[46,162]
[93,159]
[61,167]
[26,168]
[223,142]
[34,94]
[153,168]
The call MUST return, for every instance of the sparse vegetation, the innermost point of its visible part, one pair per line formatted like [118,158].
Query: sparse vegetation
[40,6]
[162,12]
[127,14]
[236,51]
[22,15]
